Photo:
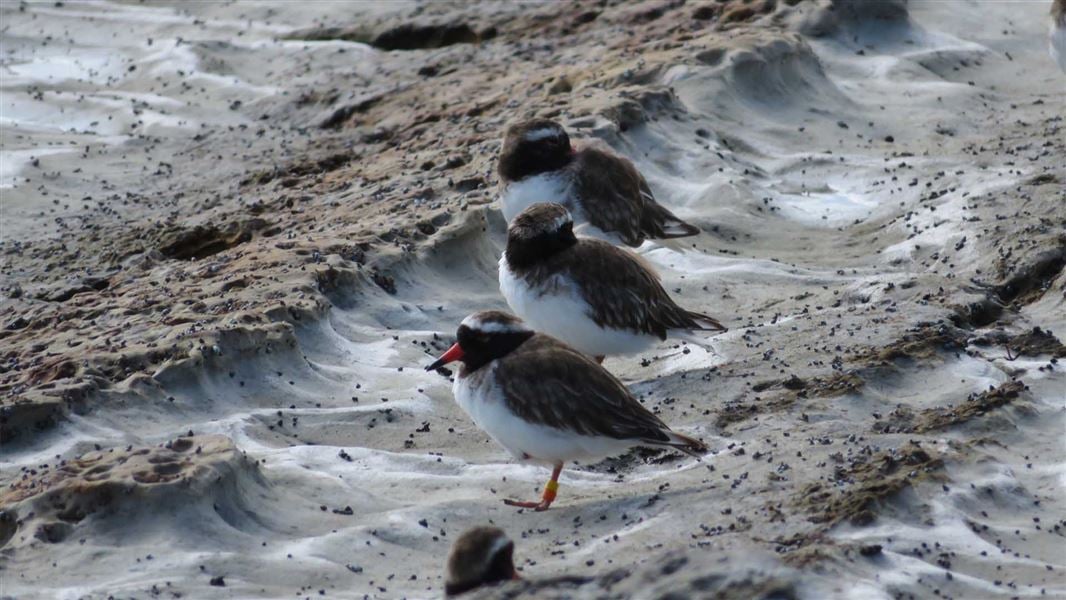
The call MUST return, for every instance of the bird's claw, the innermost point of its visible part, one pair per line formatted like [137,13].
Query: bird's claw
[536,506]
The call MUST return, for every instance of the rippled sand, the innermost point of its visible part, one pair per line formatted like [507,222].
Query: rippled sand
[233,235]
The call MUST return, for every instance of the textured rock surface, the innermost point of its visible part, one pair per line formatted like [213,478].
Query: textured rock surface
[240,221]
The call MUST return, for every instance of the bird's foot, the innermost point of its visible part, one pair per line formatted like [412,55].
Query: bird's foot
[537,506]
[550,490]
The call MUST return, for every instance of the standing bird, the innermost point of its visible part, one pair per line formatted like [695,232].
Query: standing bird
[606,193]
[481,556]
[1057,33]
[546,402]
[598,298]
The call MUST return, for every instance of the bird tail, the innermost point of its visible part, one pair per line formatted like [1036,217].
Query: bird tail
[675,228]
[681,442]
[706,323]
[686,444]
[665,224]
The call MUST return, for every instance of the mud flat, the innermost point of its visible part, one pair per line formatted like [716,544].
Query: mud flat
[233,235]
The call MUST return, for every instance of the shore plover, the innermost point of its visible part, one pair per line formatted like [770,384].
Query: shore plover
[607,195]
[545,402]
[481,556]
[598,298]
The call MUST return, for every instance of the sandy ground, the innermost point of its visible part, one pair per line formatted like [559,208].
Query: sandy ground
[232,235]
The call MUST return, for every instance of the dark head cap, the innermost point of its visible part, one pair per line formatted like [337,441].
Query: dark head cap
[540,220]
[532,147]
[538,233]
[481,556]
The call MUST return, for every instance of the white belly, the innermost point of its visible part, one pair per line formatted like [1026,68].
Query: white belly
[481,398]
[520,195]
[559,311]
[1058,45]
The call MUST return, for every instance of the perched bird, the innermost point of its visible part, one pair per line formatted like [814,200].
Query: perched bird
[598,298]
[481,556]
[1057,33]
[607,195]
[546,402]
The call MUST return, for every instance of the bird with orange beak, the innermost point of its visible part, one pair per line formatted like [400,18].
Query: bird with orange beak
[545,402]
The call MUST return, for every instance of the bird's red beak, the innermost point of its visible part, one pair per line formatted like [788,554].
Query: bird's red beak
[453,354]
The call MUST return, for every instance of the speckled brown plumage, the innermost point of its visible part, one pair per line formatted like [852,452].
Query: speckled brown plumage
[604,188]
[616,198]
[548,383]
[622,290]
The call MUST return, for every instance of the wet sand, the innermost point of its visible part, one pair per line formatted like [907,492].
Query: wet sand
[233,235]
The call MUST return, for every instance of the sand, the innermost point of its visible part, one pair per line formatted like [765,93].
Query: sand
[233,235]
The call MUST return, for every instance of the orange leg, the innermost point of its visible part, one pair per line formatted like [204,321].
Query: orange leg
[599,359]
[547,498]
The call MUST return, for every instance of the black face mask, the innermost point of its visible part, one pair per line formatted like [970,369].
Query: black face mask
[480,348]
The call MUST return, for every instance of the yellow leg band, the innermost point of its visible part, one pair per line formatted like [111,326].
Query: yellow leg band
[551,486]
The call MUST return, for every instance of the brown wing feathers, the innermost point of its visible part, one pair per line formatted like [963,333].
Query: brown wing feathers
[610,192]
[548,383]
[658,222]
[617,199]
[625,293]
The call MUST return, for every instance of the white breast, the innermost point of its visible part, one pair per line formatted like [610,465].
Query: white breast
[558,310]
[1058,45]
[546,187]
[482,399]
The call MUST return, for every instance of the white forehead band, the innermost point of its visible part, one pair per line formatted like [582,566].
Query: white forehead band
[498,544]
[540,134]
[562,219]
[474,322]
